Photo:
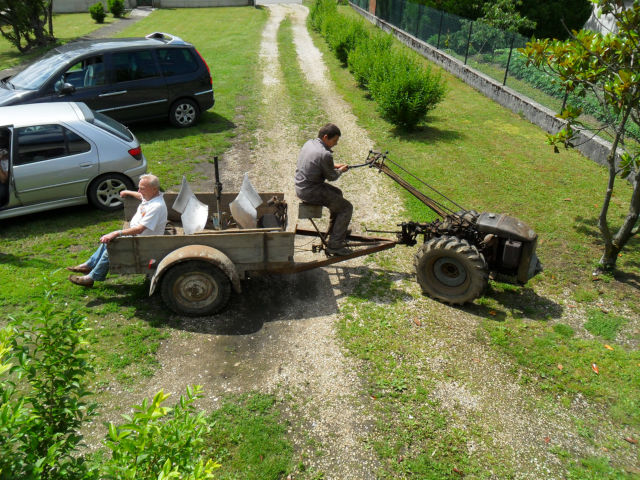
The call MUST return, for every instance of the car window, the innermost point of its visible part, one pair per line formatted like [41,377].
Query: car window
[176,61]
[36,74]
[128,66]
[86,73]
[112,126]
[43,142]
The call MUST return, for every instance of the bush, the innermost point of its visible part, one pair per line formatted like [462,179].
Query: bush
[403,89]
[406,92]
[343,34]
[116,7]
[159,440]
[42,396]
[97,12]
[365,59]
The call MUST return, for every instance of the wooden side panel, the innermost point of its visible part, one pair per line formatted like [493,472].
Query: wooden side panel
[132,254]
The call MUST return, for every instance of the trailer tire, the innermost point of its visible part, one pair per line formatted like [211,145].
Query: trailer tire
[451,270]
[195,288]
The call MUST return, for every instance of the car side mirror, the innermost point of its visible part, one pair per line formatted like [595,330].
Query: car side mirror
[67,88]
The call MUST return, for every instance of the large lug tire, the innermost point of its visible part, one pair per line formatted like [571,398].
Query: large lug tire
[451,270]
[104,191]
[183,113]
[195,288]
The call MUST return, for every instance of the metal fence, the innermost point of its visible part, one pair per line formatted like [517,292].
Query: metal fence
[475,43]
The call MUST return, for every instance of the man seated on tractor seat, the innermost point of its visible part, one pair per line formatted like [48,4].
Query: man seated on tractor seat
[150,219]
[315,165]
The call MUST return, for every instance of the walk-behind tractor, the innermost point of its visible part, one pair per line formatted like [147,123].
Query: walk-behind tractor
[463,247]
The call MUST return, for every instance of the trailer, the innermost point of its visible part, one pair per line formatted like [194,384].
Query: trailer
[196,273]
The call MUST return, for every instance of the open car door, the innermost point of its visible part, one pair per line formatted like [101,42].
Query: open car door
[6,165]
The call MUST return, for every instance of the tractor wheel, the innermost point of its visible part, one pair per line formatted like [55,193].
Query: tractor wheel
[195,288]
[451,270]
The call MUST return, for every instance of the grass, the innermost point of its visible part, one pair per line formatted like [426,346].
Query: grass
[489,159]
[228,39]
[66,27]
[249,439]
[126,325]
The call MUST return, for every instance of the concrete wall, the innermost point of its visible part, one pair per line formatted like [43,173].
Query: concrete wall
[594,148]
[76,6]
[201,3]
[71,6]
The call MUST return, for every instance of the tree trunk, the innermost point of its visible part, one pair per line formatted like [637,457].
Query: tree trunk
[50,11]
[611,245]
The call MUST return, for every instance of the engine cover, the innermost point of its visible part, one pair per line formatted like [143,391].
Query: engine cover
[505,226]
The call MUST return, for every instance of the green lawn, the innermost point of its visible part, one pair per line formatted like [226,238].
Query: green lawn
[66,27]
[490,159]
[126,326]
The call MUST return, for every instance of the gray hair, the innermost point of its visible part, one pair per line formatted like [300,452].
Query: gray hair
[152,180]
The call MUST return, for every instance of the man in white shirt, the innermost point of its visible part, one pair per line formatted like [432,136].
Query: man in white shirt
[150,219]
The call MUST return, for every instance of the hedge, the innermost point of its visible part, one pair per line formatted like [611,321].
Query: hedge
[403,89]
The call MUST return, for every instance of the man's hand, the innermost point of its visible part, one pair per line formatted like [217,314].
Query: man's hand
[342,167]
[110,236]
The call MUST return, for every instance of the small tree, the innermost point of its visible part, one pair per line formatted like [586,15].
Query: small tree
[607,66]
[27,23]
[97,12]
[116,7]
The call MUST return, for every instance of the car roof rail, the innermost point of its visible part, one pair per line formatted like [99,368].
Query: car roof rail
[167,37]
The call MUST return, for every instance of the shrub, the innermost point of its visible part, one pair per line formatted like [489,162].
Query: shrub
[42,395]
[403,89]
[160,442]
[97,12]
[406,92]
[116,7]
[364,60]
[343,34]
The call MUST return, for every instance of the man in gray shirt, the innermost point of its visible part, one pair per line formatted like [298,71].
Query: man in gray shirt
[315,165]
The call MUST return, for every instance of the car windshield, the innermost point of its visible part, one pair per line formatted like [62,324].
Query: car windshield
[36,74]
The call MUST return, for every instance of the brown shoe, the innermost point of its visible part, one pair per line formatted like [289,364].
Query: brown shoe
[83,268]
[84,281]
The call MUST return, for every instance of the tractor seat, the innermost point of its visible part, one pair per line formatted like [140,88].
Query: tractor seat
[309,210]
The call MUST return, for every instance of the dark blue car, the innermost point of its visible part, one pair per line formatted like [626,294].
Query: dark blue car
[129,79]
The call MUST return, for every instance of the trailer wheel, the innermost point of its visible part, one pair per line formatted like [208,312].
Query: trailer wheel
[451,270]
[195,288]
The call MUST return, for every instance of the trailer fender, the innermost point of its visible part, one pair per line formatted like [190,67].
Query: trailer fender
[197,252]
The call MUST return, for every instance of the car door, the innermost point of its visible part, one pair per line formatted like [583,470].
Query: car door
[137,88]
[6,197]
[52,162]
[89,78]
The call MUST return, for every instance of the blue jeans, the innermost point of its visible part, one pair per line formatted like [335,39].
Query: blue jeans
[99,263]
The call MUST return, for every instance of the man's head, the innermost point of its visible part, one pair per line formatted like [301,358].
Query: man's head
[329,134]
[149,186]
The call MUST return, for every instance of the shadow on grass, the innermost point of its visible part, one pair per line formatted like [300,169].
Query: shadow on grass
[587,227]
[27,262]
[209,122]
[54,221]
[521,303]
[428,134]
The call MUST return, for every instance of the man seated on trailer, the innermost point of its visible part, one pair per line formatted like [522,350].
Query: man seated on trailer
[315,165]
[150,219]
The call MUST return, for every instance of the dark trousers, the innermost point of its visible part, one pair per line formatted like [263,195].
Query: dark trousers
[341,211]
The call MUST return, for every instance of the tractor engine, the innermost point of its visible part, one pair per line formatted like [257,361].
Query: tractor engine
[509,246]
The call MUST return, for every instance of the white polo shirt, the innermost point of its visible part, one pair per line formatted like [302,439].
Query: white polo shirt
[152,214]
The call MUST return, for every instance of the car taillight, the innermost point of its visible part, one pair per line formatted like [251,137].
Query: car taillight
[205,64]
[136,153]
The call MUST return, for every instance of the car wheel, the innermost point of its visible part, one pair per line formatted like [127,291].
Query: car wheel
[183,113]
[104,191]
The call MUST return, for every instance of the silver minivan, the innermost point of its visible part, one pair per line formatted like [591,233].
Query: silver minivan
[56,155]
